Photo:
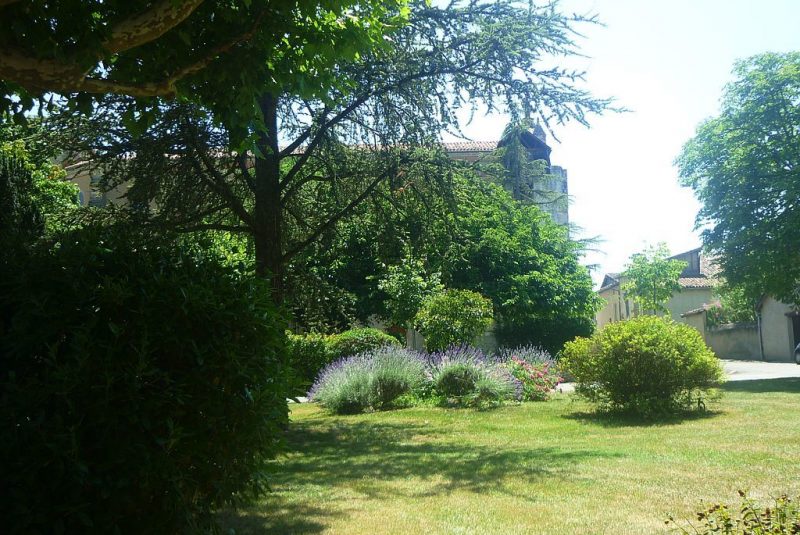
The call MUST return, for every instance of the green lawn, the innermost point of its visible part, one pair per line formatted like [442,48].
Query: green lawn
[551,467]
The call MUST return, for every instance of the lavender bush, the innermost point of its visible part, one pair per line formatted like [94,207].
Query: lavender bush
[466,375]
[369,380]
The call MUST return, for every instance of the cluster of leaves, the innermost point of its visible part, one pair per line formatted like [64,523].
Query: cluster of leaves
[735,306]
[228,53]
[35,197]
[744,167]
[407,286]
[646,365]
[143,385]
[535,370]
[453,317]
[782,518]
[309,353]
[651,278]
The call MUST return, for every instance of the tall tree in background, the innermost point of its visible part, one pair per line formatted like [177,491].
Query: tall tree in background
[651,278]
[311,158]
[744,167]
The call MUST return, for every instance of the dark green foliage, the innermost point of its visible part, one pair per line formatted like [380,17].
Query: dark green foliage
[470,231]
[782,517]
[310,353]
[453,317]
[647,365]
[357,341]
[20,219]
[143,386]
[744,167]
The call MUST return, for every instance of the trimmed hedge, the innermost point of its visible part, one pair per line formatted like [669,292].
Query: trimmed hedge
[143,386]
[310,353]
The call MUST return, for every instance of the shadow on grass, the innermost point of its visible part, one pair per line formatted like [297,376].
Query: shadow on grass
[392,461]
[278,518]
[367,455]
[789,384]
[617,419]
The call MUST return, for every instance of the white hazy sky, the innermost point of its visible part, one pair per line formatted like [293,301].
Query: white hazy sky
[666,61]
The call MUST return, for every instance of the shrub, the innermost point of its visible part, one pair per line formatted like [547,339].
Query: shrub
[142,386]
[358,341]
[534,369]
[645,365]
[308,354]
[370,380]
[465,375]
[782,518]
[453,317]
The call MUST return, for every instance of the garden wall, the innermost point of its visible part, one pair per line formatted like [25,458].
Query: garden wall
[734,341]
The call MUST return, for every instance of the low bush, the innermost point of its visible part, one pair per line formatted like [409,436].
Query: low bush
[369,380]
[453,317]
[647,365]
[358,340]
[465,375]
[310,353]
[534,369]
[142,386]
[782,517]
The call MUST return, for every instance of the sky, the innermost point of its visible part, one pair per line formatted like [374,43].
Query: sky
[667,62]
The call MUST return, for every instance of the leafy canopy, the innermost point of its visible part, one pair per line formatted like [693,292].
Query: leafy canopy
[218,54]
[652,278]
[744,167]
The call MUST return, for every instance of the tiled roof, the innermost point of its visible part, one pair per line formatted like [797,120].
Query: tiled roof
[707,278]
[470,146]
[709,271]
[696,282]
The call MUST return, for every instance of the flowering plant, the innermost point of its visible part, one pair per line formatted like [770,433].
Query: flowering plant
[538,378]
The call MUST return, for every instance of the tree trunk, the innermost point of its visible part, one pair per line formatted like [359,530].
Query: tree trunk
[268,210]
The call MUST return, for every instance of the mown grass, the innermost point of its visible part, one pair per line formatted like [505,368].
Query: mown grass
[553,467]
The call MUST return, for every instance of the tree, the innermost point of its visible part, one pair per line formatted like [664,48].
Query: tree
[218,54]
[651,278]
[407,286]
[735,306]
[34,193]
[471,232]
[453,317]
[744,167]
[341,145]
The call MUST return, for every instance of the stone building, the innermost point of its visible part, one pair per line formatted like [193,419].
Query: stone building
[547,186]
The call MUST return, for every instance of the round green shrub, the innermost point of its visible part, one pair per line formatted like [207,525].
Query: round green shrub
[358,340]
[647,365]
[142,386]
[457,379]
[453,317]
